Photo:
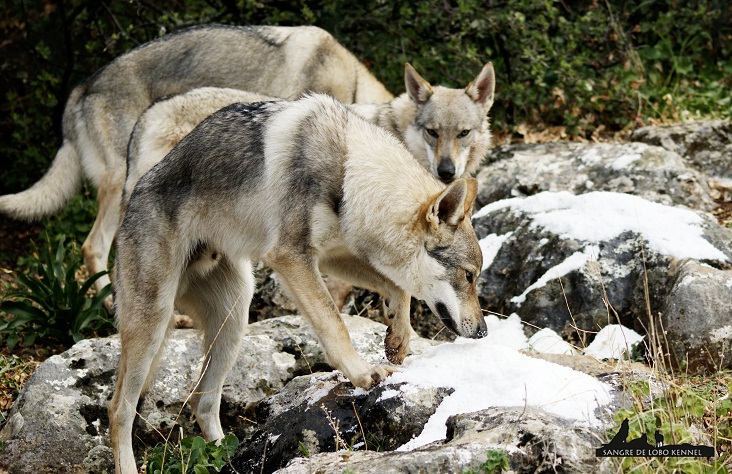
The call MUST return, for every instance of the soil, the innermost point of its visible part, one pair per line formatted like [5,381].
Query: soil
[15,238]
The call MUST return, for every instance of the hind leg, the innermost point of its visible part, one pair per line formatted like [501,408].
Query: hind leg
[98,243]
[219,301]
[143,323]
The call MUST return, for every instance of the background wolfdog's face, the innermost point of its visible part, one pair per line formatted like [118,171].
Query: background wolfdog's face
[449,123]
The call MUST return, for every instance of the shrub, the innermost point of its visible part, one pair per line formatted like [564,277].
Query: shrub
[54,304]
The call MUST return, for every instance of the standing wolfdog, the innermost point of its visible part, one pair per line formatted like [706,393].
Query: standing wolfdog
[305,186]
[101,111]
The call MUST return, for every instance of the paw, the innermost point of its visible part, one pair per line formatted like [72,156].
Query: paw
[396,346]
[108,305]
[373,377]
[182,321]
[380,373]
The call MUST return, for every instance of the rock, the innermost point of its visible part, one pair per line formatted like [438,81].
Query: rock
[67,396]
[324,413]
[60,416]
[705,145]
[697,319]
[651,172]
[578,263]
[533,440]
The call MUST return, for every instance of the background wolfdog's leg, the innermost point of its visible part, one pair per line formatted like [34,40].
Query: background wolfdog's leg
[363,275]
[300,275]
[220,301]
[98,243]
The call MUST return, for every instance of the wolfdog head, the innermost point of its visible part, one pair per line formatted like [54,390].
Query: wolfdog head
[451,125]
[452,260]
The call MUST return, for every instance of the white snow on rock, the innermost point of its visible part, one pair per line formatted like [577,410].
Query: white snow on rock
[574,262]
[491,372]
[490,245]
[601,216]
[547,341]
[613,342]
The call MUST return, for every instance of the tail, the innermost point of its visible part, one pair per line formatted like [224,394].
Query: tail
[60,183]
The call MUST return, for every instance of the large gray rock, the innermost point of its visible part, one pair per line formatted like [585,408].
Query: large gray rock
[706,145]
[578,263]
[324,413]
[651,172]
[697,319]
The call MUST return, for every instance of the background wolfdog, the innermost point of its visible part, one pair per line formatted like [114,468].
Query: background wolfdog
[101,111]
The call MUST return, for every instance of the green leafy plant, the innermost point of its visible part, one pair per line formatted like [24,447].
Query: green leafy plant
[496,462]
[53,304]
[192,455]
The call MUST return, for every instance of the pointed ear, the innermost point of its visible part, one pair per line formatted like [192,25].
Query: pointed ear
[418,89]
[482,88]
[450,206]
[472,193]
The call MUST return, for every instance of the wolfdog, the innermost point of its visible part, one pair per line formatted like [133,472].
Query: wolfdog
[304,186]
[101,112]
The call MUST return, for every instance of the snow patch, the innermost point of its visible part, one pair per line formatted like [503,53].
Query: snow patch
[387,394]
[613,342]
[547,341]
[491,372]
[601,216]
[574,262]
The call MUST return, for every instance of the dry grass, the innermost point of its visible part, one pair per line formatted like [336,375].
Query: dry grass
[14,371]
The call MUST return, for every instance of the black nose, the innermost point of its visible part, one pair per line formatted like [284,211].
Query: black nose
[481,331]
[446,170]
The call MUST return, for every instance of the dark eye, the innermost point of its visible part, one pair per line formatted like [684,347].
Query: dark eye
[469,276]
[431,132]
[463,134]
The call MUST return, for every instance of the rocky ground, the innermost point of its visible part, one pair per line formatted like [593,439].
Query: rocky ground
[575,237]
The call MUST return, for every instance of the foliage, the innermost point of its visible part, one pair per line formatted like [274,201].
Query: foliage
[193,455]
[495,463]
[54,304]
[588,66]
[688,407]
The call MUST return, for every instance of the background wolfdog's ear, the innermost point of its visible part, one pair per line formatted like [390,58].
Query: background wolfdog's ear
[482,88]
[450,206]
[418,89]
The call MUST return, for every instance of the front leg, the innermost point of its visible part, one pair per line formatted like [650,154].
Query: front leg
[301,278]
[399,332]
[396,311]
